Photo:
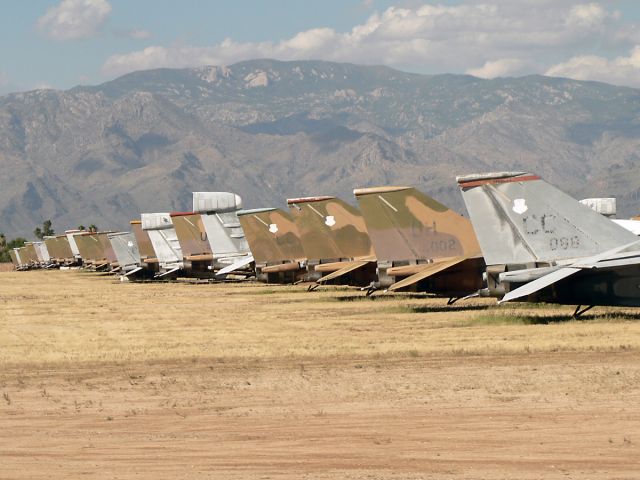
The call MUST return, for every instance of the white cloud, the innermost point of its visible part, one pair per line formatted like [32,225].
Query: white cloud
[620,70]
[74,19]
[483,37]
[42,86]
[499,68]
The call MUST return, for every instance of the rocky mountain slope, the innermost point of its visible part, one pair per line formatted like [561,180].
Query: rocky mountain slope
[270,130]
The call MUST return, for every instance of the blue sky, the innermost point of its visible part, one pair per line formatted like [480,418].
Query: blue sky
[62,43]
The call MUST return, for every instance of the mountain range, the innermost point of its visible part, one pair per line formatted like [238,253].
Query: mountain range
[269,130]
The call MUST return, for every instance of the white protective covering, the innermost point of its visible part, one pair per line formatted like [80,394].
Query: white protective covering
[205,202]
[156,221]
[17,252]
[220,220]
[72,242]
[604,206]
[164,239]
[42,252]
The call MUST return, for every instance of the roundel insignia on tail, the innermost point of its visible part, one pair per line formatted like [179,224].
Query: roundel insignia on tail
[273,228]
[330,220]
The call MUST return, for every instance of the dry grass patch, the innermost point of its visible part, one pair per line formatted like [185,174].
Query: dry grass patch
[70,316]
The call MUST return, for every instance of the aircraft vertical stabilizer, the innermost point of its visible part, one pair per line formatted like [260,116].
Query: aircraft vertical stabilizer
[164,240]
[406,224]
[521,219]
[274,241]
[223,229]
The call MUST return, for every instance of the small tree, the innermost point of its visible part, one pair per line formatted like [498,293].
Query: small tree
[45,231]
[16,243]
[4,250]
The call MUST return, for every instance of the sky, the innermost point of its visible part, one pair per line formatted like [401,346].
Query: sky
[63,43]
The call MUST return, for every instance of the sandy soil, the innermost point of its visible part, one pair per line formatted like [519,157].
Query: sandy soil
[354,410]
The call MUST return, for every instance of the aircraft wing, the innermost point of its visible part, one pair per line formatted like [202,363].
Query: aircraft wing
[348,267]
[613,258]
[429,269]
[235,266]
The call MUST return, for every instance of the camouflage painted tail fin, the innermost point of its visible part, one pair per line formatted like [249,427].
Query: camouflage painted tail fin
[406,224]
[272,235]
[191,233]
[330,228]
[519,218]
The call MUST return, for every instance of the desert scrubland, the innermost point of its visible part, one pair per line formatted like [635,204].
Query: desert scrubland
[102,379]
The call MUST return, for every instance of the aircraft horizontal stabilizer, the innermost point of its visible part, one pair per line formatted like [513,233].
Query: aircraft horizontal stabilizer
[349,267]
[235,266]
[609,259]
[429,269]
[539,284]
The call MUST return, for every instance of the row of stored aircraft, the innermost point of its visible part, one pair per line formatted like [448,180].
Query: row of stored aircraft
[524,240]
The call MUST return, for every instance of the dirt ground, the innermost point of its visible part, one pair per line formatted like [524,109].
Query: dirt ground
[100,379]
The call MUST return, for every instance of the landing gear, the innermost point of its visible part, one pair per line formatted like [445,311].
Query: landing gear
[369,289]
[578,312]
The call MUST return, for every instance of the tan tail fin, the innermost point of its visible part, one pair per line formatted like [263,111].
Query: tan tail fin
[406,224]
[330,228]
[272,235]
[191,234]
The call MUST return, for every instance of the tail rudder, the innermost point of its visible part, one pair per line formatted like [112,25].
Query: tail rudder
[519,218]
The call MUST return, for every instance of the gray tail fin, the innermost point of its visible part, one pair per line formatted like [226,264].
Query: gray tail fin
[519,218]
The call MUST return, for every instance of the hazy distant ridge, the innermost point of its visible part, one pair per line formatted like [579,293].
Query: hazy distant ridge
[270,130]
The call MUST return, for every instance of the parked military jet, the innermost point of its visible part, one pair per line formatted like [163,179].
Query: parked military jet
[542,245]
[165,243]
[420,243]
[28,256]
[15,258]
[44,259]
[196,251]
[72,244]
[228,245]
[60,251]
[148,259]
[334,239]
[274,241]
[91,250]
[126,251]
